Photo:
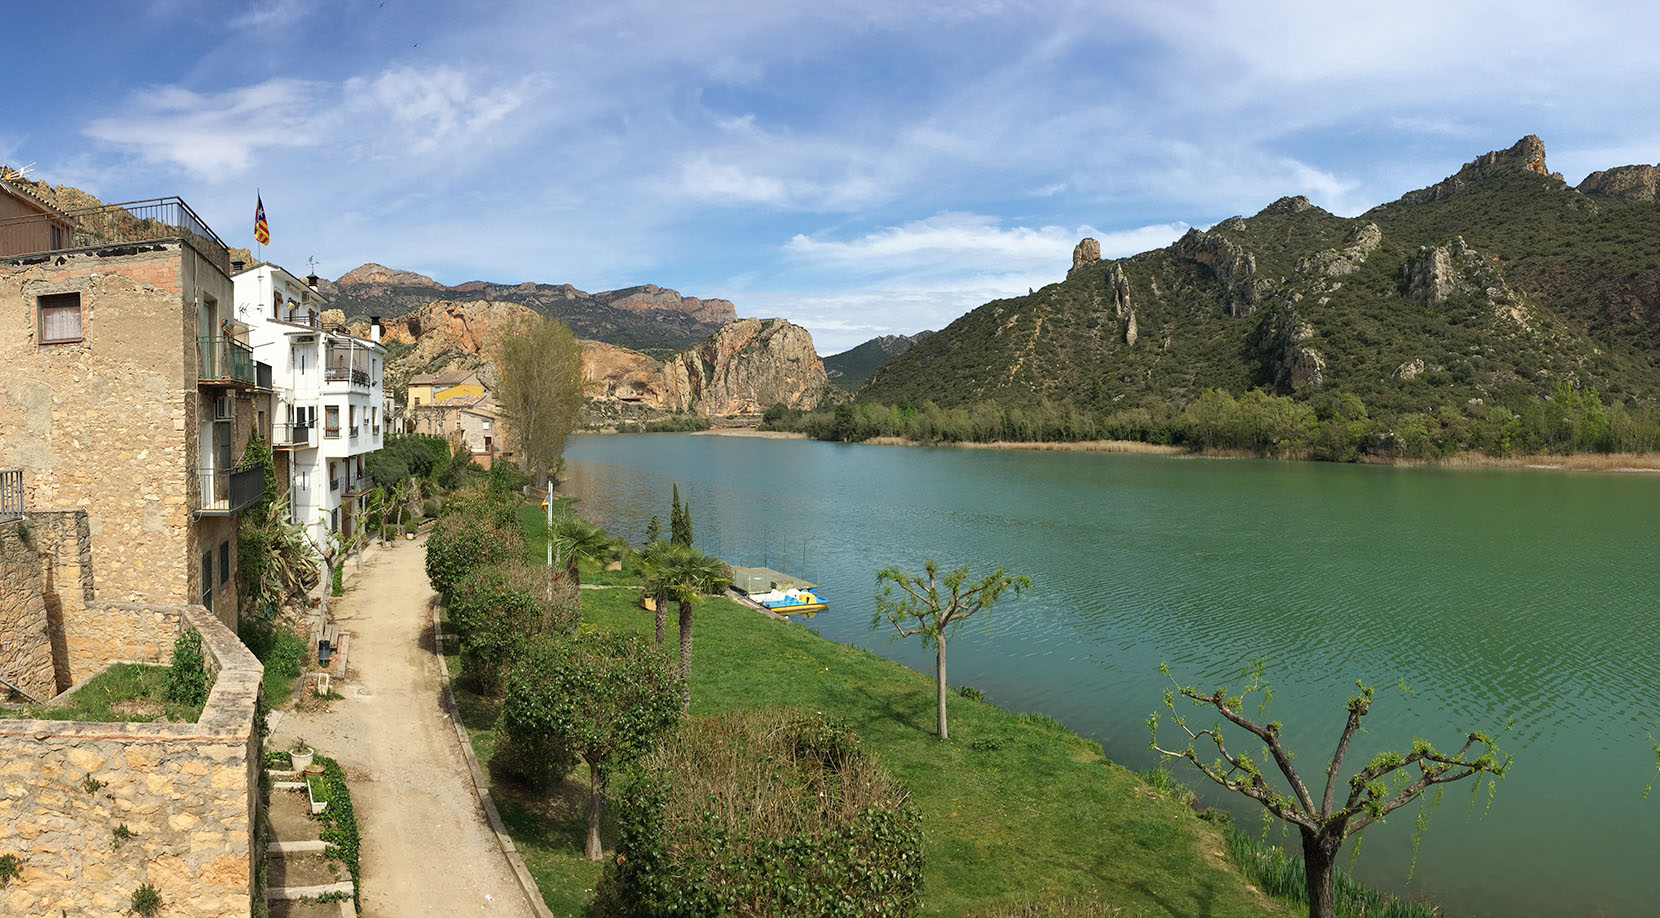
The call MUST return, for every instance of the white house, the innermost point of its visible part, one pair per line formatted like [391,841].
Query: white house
[327,407]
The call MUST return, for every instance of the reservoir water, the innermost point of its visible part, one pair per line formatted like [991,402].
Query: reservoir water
[1522,603]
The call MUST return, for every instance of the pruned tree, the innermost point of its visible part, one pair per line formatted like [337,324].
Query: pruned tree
[684,574]
[913,604]
[1389,781]
[539,371]
[332,550]
[604,697]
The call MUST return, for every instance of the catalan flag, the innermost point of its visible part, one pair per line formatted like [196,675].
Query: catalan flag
[262,230]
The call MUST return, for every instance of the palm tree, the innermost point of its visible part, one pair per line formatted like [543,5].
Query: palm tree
[650,555]
[574,538]
[684,574]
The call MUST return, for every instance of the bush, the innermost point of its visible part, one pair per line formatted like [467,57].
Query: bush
[429,509]
[466,539]
[146,900]
[497,610]
[339,829]
[338,586]
[411,527]
[763,813]
[505,477]
[187,679]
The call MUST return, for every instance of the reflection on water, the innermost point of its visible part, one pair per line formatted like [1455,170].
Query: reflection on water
[1495,597]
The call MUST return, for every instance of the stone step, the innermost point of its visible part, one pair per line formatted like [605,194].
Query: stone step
[291,848]
[307,892]
[288,785]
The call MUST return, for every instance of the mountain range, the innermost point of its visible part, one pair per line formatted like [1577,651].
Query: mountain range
[852,367]
[1493,286]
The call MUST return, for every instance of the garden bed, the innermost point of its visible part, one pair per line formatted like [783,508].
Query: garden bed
[121,693]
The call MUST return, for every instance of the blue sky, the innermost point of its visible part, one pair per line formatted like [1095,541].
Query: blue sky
[859,168]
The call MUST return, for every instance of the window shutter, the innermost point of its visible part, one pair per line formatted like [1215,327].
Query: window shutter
[60,318]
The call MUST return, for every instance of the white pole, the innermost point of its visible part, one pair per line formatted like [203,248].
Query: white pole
[550,525]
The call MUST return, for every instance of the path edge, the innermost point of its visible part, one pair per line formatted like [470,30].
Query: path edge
[481,787]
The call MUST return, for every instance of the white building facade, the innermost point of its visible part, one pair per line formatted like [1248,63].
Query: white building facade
[328,398]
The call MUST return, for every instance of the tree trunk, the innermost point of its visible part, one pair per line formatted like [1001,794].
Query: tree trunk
[662,618]
[574,572]
[593,850]
[1320,863]
[685,656]
[327,588]
[939,673]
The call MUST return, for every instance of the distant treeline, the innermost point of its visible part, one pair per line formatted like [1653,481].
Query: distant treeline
[1335,427]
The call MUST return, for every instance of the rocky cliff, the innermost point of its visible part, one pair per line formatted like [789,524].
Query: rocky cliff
[744,368]
[647,316]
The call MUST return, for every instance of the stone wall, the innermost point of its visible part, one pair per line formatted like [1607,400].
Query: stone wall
[25,638]
[187,791]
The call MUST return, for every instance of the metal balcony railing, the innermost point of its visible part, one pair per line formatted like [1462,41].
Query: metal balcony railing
[134,221]
[11,494]
[224,493]
[225,361]
[292,436]
[262,375]
[346,375]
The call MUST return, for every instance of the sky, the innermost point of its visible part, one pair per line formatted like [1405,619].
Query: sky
[859,168]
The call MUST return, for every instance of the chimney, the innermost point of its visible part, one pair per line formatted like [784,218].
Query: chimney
[375,329]
[236,265]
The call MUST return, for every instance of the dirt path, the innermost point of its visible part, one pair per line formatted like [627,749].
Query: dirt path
[427,849]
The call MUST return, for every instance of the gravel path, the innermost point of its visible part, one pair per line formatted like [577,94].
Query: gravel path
[427,849]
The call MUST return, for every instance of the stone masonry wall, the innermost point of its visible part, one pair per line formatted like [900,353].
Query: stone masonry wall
[187,791]
[63,542]
[25,638]
[104,424]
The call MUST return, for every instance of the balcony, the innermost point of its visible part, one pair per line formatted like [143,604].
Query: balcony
[293,436]
[134,221]
[225,361]
[226,493]
[11,494]
[359,486]
[355,378]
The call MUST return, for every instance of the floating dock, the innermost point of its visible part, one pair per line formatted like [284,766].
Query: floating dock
[777,591]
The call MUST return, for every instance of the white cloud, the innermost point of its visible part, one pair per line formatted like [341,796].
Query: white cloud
[438,107]
[972,239]
[212,134]
[276,14]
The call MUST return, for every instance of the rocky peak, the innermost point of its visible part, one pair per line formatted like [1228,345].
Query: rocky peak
[1291,204]
[1633,183]
[746,368]
[1231,264]
[1527,154]
[372,273]
[1085,253]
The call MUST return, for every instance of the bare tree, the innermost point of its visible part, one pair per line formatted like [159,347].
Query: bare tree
[539,366]
[918,609]
[1387,783]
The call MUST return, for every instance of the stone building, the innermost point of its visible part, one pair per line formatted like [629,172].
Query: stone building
[130,393]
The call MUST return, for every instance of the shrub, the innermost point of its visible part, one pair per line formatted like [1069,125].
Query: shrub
[411,527]
[764,813]
[971,693]
[497,610]
[10,867]
[337,587]
[339,829]
[464,540]
[146,901]
[429,509]
[187,679]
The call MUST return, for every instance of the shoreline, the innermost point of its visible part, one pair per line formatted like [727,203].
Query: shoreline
[1574,462]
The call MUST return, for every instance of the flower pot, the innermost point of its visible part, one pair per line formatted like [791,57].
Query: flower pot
[410,536]
[302,760]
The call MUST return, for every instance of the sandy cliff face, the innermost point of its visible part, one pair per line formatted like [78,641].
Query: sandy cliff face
[745,368]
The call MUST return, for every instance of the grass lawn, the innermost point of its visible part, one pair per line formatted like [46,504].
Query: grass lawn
[280,651]
[123,693]
[1015,809]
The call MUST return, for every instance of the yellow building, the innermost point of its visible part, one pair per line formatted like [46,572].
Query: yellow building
[429,389]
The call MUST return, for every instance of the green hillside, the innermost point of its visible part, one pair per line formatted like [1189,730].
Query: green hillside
[852,367]
[1501,287]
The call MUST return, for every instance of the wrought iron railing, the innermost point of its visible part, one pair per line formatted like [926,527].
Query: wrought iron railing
[346,375]
[11,494]
[292,435]
[134,221]
[225,360]
[225,492]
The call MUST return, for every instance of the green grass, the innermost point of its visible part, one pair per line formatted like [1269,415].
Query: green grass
[283,654]
[1016,810]
[1281,874]
[123,693]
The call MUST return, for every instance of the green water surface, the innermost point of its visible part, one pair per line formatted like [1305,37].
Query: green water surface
[1518,602]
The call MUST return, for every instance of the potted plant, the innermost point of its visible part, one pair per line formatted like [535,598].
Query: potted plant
[301,754]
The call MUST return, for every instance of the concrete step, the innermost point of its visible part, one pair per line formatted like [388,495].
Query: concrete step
[307,892]
[292,848]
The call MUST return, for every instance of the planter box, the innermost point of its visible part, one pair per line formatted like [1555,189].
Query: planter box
[317,806]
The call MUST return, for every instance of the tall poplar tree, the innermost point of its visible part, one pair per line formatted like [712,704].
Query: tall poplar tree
[539,371]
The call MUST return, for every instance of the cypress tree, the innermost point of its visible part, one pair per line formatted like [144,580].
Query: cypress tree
[680,521]
[654,531]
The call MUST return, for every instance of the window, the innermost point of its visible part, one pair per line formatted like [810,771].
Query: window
[331,421]
[60,318]
[276,304]
[207,580]
[351,415]
[417,401]
[57,238]
[334,480]
[224,562]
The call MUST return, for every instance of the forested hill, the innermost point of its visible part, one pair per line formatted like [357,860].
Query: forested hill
[1496,287]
